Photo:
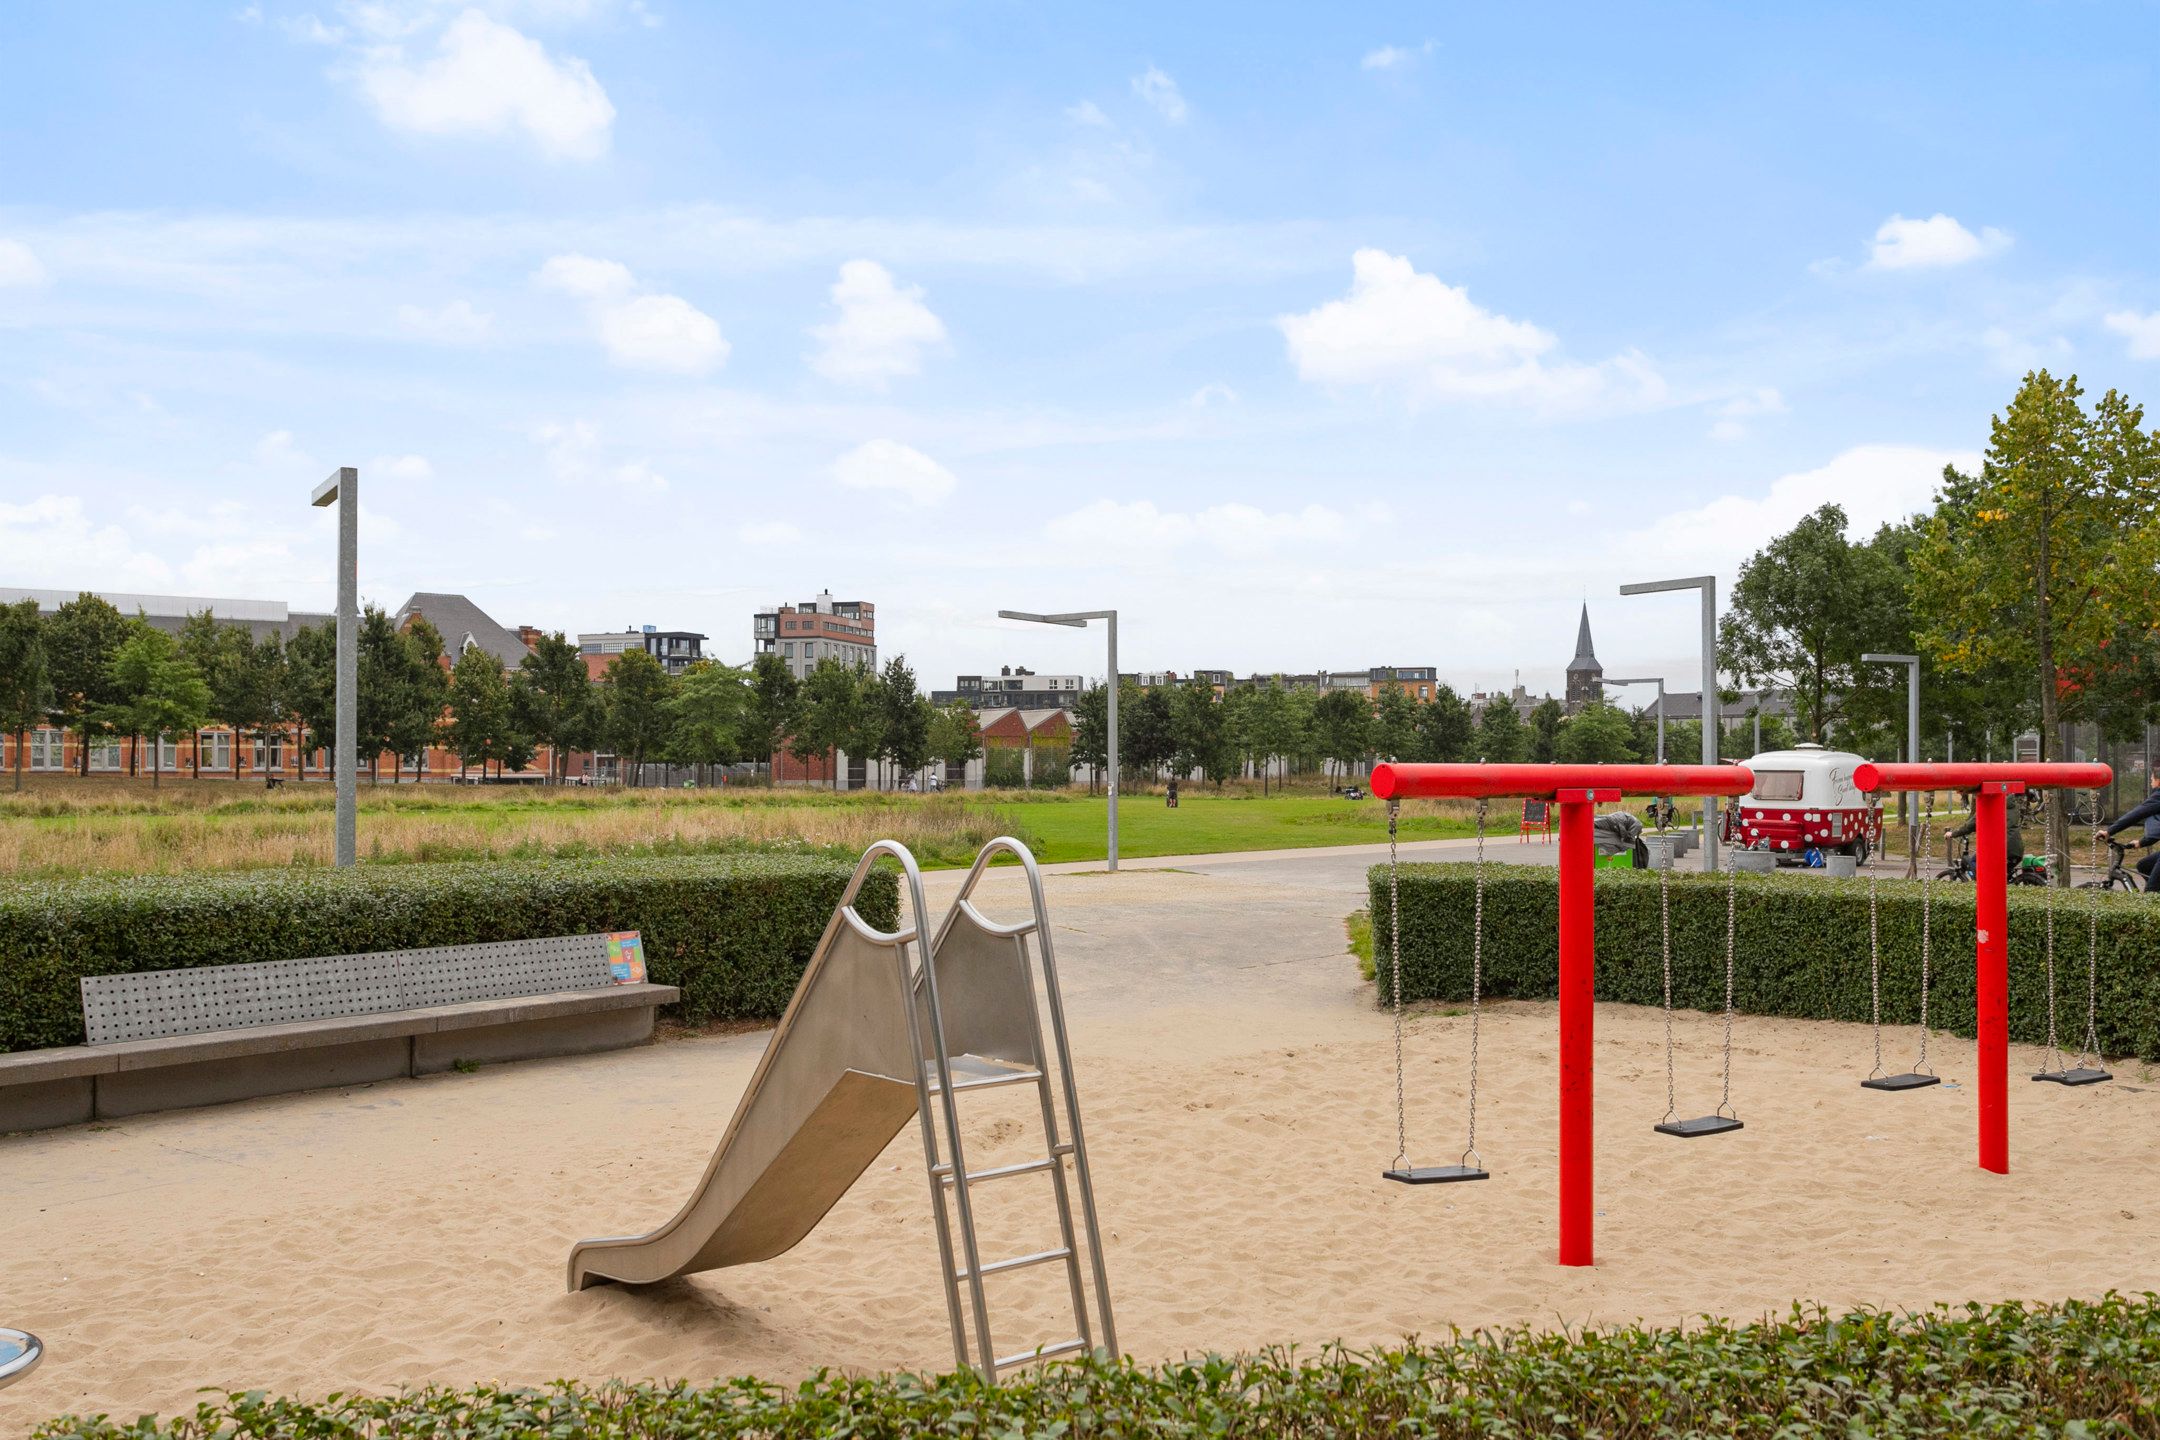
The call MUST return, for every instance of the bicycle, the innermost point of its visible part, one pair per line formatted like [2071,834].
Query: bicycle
[2118,874]
[1959,865]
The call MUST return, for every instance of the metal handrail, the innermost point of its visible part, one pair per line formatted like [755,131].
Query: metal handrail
[29,1351]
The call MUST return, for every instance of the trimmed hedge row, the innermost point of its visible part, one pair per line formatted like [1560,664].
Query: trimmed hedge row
[1802,948]
[2083,1368]
[733,931]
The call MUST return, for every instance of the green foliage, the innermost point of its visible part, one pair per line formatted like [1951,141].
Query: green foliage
[1502,738]
[1394,725]
[706,714]
[831,716]
[156,691]
[480,719]
[80,639]
[1201,726]
[1597,734]
[635,692]
[1342,723]
[1444,727]
[903,718]
[956,734]
[1147,735]
[26,689]
[1090,732]
[558,706]
[773,707]
[2080,1368]
[734,931]
[1802,947]
[1545,723]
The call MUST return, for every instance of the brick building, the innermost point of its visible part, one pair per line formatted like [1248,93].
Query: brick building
[804,634]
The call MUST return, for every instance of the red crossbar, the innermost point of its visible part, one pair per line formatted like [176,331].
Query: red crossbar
[1426,782]
[1966,775]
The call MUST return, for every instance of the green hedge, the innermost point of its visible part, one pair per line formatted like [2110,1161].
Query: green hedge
[733,931]
[1802,948]
[2079,1368]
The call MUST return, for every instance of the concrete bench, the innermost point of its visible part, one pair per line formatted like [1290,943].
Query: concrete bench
[168,1039]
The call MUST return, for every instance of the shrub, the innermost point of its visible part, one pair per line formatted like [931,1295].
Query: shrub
[1802,948]
[2081,1368]
[733,931]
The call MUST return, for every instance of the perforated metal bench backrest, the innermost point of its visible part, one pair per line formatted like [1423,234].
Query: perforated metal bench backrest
[157,1003]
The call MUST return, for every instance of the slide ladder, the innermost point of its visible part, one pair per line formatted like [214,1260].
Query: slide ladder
[869,1039]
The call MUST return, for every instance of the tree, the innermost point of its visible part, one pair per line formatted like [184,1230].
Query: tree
[383,687]
[1444,727]
[423,691]
[1271,725]
[1804,609]
[705,714]
[2044,560]
[1202,731]
[559,699]
[956,735]
[158,692]
[831,715]
[773,708]
[1501,735]
[480,720]
[1342,728]
[1394,725]
[1147,736]
[635,693]
[264,701]
[1091,732]
[311,687]
[1545,723]
[1597,734]
[26,690]
[903,718]
[81,638]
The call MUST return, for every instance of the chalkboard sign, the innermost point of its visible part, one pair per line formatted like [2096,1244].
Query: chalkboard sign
[1536,818]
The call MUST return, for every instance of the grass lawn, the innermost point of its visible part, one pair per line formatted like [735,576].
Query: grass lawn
[1074,827]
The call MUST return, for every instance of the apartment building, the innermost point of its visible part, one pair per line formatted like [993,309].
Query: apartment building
[816,629]
[676,650]
[1013,687]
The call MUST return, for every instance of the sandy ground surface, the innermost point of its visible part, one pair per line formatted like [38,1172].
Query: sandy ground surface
[1239,1101]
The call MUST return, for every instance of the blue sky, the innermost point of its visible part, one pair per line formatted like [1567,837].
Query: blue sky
[1305,337]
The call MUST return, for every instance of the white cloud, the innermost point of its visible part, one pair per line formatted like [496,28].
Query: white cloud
[401,467]
[19,265]
[1393,57]
[277,451]
[2142,331]
[574,457]
[1399,326]
[890,466]
[2018,354]
[1212,393]
[1121,527]
[489,79]
[641,332]
[1762,400]
[51,540]
[1902,244]
[456,323]
[637,475]
[881,329]
[1162,92]
[1087,112]
[1876,484]
[770,532]
[309,30]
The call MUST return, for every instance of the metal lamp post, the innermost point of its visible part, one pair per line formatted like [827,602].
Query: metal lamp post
[343,490]
[1708,585]
[1078,620]
[1659,681]
[1912,748]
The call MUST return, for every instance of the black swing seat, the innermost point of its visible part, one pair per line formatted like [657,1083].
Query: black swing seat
[2075,1075]
[1701,1125]
[1911,1080]
[1435,1174]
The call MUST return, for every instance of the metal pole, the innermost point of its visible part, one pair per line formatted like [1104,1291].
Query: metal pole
[1661,722]
[1991,984]
[1578,960]
[1710,734]
[343,487]
[1110,788]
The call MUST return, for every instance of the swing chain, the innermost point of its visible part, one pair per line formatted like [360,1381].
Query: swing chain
[1927,931]
[2089,1047]
[1672,1103]
[1874,935]
[1394,807]
[1477,983]
[1732,900]
[2054,1047]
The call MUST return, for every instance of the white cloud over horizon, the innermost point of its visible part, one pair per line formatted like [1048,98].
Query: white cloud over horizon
[1933,243]
[639,331]
[487,79]
[879,331]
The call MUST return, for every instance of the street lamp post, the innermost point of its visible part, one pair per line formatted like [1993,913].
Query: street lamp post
[1659,681]
[1078,620]
[343,490]
[1912,747]
[1708,585]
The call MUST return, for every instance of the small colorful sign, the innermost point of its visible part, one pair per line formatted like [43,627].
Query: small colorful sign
[626,958]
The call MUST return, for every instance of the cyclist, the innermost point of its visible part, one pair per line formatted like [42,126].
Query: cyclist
[2148,813]
[2013,837]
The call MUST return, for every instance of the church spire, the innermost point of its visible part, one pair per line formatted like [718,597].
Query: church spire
[1585,656]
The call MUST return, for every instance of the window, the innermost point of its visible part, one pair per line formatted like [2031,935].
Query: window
[168,755]
[215,749]
[787,649]
[105,754]
[1777,785]
[45,750]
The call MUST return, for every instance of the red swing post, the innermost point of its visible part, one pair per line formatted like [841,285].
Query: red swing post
[1578,789]
[1993,785]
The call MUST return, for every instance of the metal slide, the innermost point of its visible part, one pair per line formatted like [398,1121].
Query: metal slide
[867,1042]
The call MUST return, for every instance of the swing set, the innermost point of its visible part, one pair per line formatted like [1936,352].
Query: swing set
[1577,790]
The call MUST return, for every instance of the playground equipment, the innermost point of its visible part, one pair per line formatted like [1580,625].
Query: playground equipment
[2087,1071]
[1805,799]
[1920,1076]
[1724,1119]
[1577,789]
[1992,785]
[20,1352]
[870,1039]
[1470,1165]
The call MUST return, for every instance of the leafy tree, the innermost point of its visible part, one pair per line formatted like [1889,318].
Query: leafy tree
[1091,732]
[158,692]
[311,687]
[559,699]
[384,688]
[1501,735]
[903,717]
[1444,727]
[772,710]
[1304,731]
[1545,723]
[2044,560]
[635,691]
[480,718]
[831,714]
[1271,726]
[1147,735]
[706,714]
[1202,730]
[422,692]
[1597,734]
[1342,728]
[26,690]
[1394,724]
[260,700]
[81,639]
[956,735]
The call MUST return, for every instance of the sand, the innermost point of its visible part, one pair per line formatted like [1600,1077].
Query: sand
[1239,1103]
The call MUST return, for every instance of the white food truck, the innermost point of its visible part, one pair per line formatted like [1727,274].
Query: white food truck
[1804,799]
